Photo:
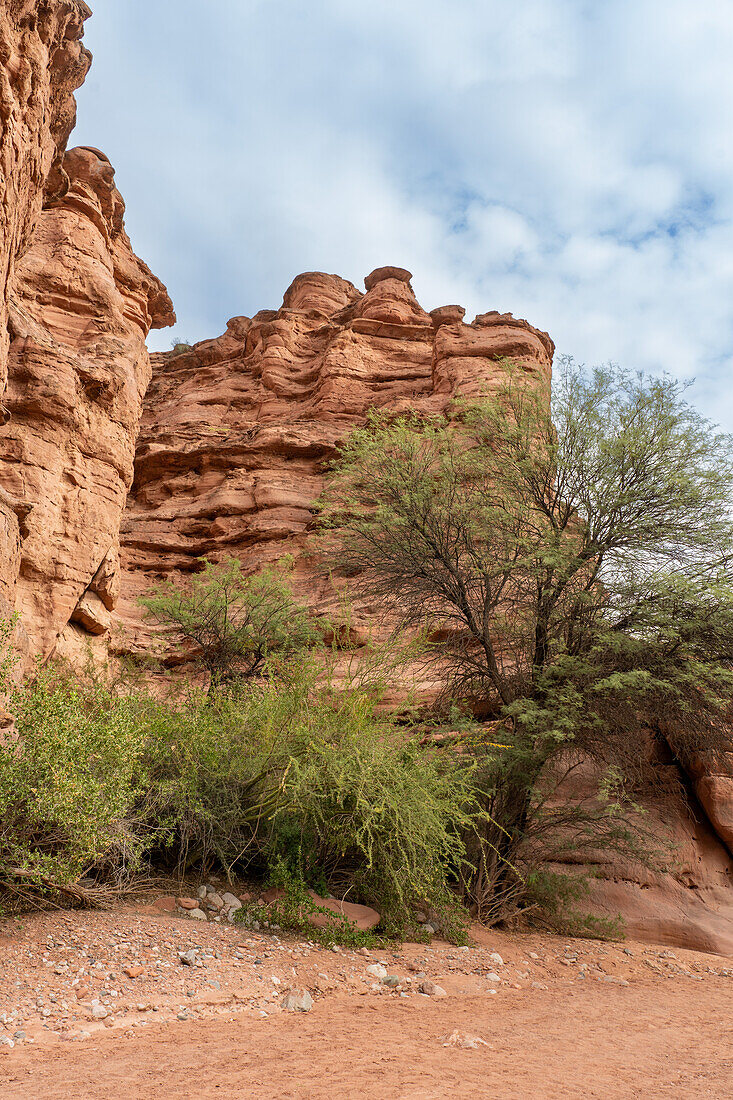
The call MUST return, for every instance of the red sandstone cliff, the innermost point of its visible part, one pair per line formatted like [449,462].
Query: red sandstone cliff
[42,62]
[81,306]
[237,431]
[235,438]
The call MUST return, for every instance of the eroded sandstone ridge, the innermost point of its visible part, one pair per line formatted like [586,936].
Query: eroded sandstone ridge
[42,62]
[81,307]
[76,307]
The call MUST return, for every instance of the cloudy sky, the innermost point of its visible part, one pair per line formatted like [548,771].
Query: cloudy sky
[570,161]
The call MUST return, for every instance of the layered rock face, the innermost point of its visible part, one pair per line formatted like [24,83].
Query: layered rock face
[688,901]
[75,308]
[231,445]
[42,62]
[80,308]
[238,431]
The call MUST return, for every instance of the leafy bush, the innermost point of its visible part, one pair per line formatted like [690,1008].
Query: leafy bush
[295,777]
[574,561]
[69,780]
[557,896]
[294,910]
[293,773]
[232,623]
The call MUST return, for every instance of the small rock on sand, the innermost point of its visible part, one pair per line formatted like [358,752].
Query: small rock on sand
[430,989]
[466,1042]
[297,1002]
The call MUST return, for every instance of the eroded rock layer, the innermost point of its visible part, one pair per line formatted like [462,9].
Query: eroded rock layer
[80,307]
[235,440]
[42,62]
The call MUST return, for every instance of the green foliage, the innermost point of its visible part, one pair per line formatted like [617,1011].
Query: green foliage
[295,909]
[8,657]
[557,897]
[298,775]
[305,774]
[574,563]
[232,623]
[68,781]
[179,346]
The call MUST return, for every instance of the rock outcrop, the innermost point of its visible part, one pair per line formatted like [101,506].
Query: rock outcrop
[75,309]
[234,444]
[230,447]
[686,900]
[42,62]
[713,784]
[81,306]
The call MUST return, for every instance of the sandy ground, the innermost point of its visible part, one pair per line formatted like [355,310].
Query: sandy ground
[101,1005]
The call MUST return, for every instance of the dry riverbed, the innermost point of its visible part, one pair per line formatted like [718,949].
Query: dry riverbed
[143,1002]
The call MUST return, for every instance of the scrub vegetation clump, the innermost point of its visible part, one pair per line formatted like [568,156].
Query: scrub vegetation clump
[294,780]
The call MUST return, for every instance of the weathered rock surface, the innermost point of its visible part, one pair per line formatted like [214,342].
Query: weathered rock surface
[691,904]
[235,439]
[236,432]
[75,307]
[42,62]
[81,306]
[715,792]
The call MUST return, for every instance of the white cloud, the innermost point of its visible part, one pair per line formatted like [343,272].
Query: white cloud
[567,160]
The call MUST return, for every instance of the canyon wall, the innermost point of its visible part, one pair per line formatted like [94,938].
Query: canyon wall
[42,62]
[234,444]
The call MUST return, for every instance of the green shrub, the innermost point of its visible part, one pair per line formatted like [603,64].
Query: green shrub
[295,779]
[293,910]
[69,781]
[555,897]
[232,623]
[294,774]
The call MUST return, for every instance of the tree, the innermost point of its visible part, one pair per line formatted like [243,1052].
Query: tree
[232,622]
[575,561]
